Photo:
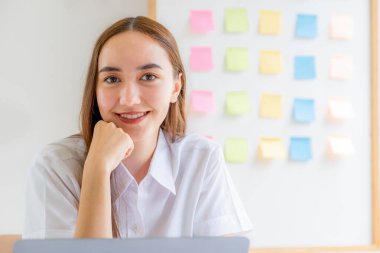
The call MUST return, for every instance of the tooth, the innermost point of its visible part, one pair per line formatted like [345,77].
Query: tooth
[135,116]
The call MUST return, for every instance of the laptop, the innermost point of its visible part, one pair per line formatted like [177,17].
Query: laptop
[140,245]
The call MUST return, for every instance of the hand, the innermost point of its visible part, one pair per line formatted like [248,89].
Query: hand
[109,146]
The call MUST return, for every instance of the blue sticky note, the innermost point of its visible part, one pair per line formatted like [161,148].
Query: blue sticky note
[303,110]
[306,26]
[304,67]
[300,149]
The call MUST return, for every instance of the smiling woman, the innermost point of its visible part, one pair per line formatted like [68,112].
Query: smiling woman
[133,172]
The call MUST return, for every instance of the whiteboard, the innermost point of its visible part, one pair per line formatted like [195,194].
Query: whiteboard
[319,203]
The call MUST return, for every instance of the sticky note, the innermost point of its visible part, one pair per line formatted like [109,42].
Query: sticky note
[236,20]
[201,21]
[341,67]
[237,103]
[271,148]
[202,101]
[270,62]
[236,150]
[341,27]
[300,149]
[340,146]
[237,59]
[304,67]
[201,59]
[270,22]
[306,26]
[271,106]
[340,108]
[303,110]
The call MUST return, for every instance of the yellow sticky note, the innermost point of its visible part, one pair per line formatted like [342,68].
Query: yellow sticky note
[340,146]
[271,106]
[236,150]
[340,108]
[271,148]
[237,103]
[270,22]
[270,62]
[236,20]
[237,59]
[341,67]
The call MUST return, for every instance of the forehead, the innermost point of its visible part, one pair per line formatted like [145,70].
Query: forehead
[132,48]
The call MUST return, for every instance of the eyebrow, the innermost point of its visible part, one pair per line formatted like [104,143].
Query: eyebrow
[147,66]
[108,69]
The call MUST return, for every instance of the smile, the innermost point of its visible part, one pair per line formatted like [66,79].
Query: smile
[133,116]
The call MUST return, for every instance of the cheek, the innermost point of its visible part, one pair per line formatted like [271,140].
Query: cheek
[160,98]
[105,100]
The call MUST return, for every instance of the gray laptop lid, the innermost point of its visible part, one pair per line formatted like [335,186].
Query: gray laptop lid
[143,245]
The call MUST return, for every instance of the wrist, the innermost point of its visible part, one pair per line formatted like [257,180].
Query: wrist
[96,168]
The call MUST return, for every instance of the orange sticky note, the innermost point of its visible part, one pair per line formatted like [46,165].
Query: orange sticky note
[270,62]
[340,108]
[341,67]
[201,21]
[271,106]
[340,146]
[201,59]
[270,22]
[202,101]
[271,148]
[341,27]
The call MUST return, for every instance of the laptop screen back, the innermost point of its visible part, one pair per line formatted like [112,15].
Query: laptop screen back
[142,245]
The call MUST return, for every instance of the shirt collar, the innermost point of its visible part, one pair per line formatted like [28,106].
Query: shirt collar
[160,169]
[121,178]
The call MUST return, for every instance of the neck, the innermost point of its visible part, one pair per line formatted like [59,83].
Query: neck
[139,161]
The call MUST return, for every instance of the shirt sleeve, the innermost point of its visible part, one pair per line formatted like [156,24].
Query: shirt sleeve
[52,197]
[219,210]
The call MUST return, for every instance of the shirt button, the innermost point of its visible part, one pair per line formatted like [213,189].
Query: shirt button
[134,228]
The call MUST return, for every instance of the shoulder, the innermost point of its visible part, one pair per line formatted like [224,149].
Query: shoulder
[196,150]
[61,158]
[72,147]
[194,142]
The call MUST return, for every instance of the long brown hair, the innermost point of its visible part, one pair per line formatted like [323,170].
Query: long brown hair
[174,123]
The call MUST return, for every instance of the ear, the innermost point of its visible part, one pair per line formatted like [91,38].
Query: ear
[177,89]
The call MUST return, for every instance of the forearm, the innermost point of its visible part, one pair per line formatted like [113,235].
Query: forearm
[94,214]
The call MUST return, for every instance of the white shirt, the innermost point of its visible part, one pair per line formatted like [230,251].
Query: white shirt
[187,192]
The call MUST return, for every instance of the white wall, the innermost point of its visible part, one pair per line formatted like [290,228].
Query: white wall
[291,204]
[45,48]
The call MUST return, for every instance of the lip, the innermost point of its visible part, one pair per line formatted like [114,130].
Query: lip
[132,121]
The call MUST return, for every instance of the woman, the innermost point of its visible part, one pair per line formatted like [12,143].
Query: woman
[133,172]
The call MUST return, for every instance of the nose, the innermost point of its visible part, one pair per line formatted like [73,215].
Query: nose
[129,94]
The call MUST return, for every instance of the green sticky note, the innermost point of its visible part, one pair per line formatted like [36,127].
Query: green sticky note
[236,150]
[235,20]
[237,59]
[237,103]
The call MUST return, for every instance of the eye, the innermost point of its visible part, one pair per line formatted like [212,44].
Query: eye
[148,77]
[111,79]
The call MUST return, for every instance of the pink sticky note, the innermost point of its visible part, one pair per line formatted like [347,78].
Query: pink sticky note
[201,59]
[201,21]
[202,101]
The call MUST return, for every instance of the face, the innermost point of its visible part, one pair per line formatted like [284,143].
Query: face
[135,84]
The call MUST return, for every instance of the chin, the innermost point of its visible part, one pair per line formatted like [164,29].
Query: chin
[138,134]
